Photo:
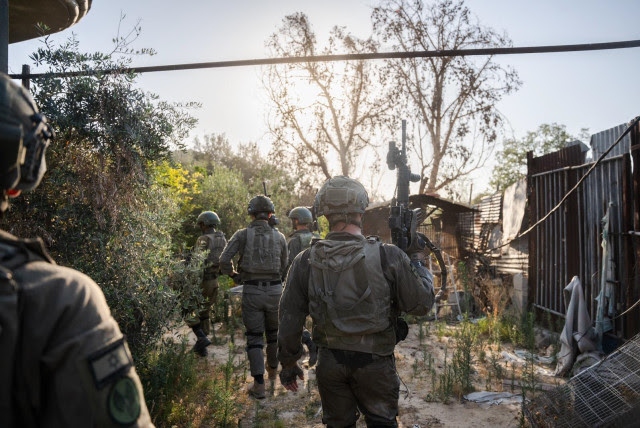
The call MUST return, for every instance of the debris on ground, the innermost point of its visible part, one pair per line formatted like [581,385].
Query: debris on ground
[490,398]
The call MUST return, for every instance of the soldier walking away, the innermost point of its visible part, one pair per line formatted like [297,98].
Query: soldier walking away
[299,240]
[213,241]
[354,288]
[63,359]
[261,265]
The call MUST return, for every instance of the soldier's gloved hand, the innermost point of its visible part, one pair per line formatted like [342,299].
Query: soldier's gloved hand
[235,276]
[289,376]
[440,295]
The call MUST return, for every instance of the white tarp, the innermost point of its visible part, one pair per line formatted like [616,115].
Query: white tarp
[578,336]
[513,207]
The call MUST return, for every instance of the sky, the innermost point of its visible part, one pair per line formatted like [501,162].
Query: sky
[594,90]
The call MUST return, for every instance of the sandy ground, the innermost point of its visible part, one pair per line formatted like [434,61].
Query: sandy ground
[303,409]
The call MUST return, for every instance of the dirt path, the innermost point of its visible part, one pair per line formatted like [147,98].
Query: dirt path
[302,409]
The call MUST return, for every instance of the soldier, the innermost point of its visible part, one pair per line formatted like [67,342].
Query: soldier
[64,361]
[299,240]
[213,241]
[354,288]
[262,263]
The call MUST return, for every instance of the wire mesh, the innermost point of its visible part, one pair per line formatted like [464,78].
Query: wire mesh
[604,395]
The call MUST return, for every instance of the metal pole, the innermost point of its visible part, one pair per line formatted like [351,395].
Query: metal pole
[26,82]
[4,36]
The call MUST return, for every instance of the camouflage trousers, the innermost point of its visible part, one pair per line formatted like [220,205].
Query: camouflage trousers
[209,293]
[349,386]
[260,318]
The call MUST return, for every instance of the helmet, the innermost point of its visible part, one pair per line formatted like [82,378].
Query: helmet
[260,204]
[302,214]
[24,138]
[341,195]
[208,218]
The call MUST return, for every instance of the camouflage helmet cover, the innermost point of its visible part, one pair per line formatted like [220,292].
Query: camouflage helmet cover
[24,138]
[260,204]
[341,195]
[208,218]
[302,214]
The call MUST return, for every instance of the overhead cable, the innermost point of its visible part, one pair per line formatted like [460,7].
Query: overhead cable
[344,57]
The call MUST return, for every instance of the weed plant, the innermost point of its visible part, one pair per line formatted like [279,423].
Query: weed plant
[311,408]
[169,372]
[465,339]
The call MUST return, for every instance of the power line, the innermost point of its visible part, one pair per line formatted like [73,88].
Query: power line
[345,57]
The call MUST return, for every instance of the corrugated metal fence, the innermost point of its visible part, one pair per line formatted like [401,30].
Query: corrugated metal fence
[568,243]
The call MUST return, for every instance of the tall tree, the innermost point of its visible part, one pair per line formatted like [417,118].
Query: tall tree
[452,99]
[324,114]
[512,158]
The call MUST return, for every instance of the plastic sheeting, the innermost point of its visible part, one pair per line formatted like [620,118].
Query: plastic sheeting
[513,208]
[489,398]
[578,336]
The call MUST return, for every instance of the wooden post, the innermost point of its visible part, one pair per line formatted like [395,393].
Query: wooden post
[4,36]
[633,318]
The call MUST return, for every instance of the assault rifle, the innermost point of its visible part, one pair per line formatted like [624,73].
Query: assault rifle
[403,221]
[273,220]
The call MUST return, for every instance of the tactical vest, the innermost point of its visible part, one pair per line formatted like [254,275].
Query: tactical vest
[262,251]
[12,391]
[215,244]
[351,305]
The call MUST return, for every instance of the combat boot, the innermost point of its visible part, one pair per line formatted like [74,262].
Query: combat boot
[257,390]
[200,347]
[272,372]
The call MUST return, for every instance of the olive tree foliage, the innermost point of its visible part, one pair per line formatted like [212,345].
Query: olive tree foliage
[324,113]
[231,176]
[107,130]
[451,101]
[511,159]
[101,207]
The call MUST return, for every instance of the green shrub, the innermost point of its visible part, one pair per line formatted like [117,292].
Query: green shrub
[167,374]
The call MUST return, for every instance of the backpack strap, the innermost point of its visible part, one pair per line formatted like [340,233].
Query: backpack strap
[17,254]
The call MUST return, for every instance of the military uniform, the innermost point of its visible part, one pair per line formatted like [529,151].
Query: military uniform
[300,240]
[64,361]
[214,242]
[354,323]
[263,259]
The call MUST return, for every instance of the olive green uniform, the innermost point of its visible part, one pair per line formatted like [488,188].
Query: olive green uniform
[353,323]
[262,262]
[214,242]
[299,241]
[63,359]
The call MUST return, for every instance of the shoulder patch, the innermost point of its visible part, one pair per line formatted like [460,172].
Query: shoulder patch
[109,363]
[124,401]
